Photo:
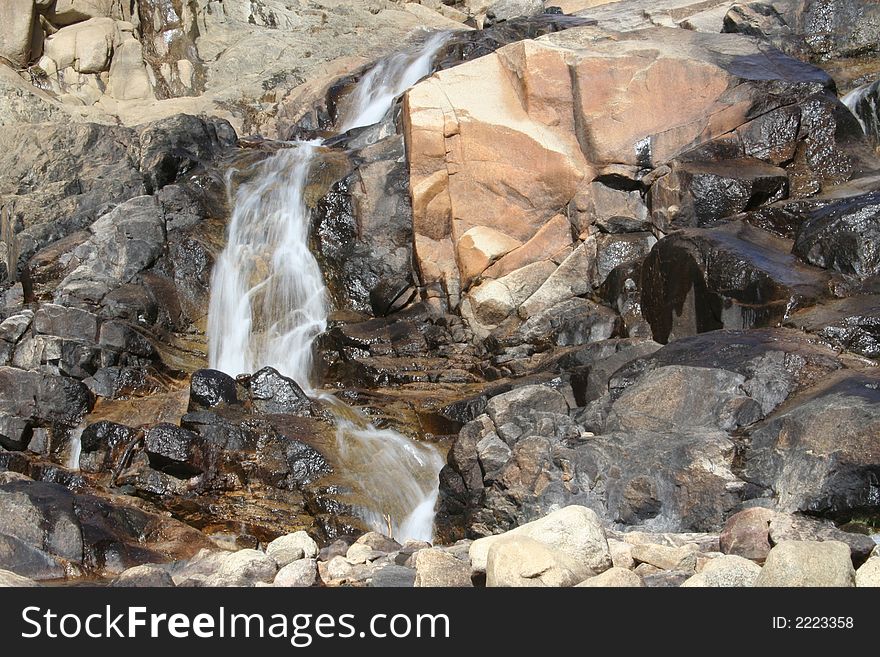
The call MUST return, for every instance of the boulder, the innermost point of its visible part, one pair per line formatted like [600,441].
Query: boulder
[146,576]
[701,193]
[840,236]
[797,527]
[747,534]
[868,574]
[808,563]
[435,567]
[17,18]
[732,277]
[662,556]
[726,571]
[271,392]
[121,244]
[573,531]
[517,560]
[175,451]
[210,388]
[851,324]
[393,576]
[301,574]
[680,397]
[613,578]
[819,454]
[243,568]
[292,547]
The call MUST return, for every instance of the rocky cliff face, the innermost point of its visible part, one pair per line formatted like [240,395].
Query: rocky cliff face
[625,259]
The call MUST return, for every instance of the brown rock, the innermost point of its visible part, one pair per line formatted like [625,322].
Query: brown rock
[747,534]
[480,247]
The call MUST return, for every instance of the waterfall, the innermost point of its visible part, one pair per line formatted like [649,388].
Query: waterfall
[269,303]
[862,102]
[377,90]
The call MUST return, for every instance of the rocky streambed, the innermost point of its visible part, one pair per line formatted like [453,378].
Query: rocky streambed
[619,266]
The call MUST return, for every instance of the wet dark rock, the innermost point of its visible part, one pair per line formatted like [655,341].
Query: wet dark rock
[210,388]
[46,399]
[622,292]
[614,250]
[175,451]
[103,445]
[843,236]
[815,31]
[731,276]
[776,363]
[820,455]
[177,145]
[271,392]
[467,45]
[121,382]
[851,324]
[697,193]
[864,102]
[362,232]
[43,516]
[569,323]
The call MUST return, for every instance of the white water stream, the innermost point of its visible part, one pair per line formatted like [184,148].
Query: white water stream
[269,303]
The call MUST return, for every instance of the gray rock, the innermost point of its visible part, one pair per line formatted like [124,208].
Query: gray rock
[613,578]
[28,561]
[671,397]
[516,560]
[574,531]
[122,243]
[243,568]
[868,574]
[437,568]
[43,516]
[726,571]
[525,401]
[148,576]
[292,547]
[819,455]
[796,527]
[393,576]
[503,10]
[808,563]
[302,573]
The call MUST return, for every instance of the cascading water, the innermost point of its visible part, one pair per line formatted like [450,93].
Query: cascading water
[269,303]
[862,103]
